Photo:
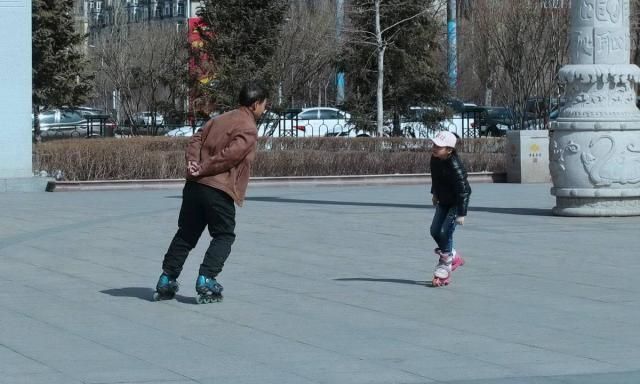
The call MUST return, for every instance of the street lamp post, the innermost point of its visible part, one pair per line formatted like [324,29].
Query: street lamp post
[452,48]
[339,73]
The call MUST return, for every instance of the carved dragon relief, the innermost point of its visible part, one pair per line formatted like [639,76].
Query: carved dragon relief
[612,167]
[557,155]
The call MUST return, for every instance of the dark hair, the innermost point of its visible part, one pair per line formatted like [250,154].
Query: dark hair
[251,92]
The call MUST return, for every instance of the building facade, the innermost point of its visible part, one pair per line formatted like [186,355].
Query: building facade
[96,14]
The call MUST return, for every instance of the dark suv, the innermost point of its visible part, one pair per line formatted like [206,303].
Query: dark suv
[73,122]
[495,121]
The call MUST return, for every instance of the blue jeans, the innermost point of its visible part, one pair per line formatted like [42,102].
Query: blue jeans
[443,225]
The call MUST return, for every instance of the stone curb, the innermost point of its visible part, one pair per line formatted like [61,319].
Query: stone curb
[419,178]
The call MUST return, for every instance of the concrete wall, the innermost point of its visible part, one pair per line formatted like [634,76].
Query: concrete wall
[15,89]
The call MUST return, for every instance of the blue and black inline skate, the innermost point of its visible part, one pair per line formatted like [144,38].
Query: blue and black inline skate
[166,288]
[208,289]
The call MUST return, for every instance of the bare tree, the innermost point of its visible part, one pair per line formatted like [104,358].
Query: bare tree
[520,46]
[382,31]
[145,64]
[307,53]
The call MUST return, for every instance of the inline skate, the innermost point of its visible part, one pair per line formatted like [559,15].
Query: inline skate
[208,289]
[447,263]
[166,288]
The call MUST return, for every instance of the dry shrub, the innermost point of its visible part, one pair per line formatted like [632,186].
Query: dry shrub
[163,158]
[113,159]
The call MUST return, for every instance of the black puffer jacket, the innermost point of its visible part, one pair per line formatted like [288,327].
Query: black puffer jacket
[449,182]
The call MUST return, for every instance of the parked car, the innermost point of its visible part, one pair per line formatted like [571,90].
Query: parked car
[496,121]
[269,123]
[73,122]
[186,130]
[316,121]
[349,133]
[147,118]
[426,121]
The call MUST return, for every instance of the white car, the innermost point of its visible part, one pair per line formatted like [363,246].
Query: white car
[414,124]
[309,122]
[186,130]
[269,123]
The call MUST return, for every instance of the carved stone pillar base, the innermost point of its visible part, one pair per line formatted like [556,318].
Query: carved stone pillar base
[596,171]
[601,206]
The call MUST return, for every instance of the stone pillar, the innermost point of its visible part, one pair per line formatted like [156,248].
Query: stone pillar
[594,145]
[16,172]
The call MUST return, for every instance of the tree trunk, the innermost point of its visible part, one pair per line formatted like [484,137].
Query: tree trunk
[36,124]
[380,90]
[488,95]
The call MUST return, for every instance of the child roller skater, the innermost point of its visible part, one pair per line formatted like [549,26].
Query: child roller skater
[450,194]
[218,165]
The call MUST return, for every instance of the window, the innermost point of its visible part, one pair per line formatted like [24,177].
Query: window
[308,115]
[70,117]
[47,117]
[328,114]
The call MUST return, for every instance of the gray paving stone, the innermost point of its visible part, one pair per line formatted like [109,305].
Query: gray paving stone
[324,285]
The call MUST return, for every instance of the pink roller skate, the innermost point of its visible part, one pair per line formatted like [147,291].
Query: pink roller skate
[447,263]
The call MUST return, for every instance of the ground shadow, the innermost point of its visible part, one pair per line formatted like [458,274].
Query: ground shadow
[498,210]
[270,199]
[514,211]
[143,293]
[395,281]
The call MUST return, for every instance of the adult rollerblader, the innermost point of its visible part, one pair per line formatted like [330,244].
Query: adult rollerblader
[218,165]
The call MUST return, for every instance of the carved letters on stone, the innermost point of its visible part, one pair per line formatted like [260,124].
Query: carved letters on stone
[600,34]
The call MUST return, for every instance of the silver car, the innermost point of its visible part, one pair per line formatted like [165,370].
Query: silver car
[72,122]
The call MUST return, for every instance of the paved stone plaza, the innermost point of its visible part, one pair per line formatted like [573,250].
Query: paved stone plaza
[324,285]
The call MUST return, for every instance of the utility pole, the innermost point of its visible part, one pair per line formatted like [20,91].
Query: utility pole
[452,47]
[339,73]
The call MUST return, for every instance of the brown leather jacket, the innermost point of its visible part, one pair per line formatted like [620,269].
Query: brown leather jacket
[225,148]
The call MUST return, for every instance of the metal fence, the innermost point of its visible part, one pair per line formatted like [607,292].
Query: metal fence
[274,125]
[464,125]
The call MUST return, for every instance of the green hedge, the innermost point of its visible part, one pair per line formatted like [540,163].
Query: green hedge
[163,158]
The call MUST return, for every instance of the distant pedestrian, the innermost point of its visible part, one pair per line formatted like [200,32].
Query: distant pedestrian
[450,194]
[218,165]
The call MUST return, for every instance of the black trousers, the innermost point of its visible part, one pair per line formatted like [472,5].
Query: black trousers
[202,206]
